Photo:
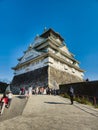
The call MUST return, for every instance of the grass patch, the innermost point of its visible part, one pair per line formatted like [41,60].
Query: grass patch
[65,95]
[96,106]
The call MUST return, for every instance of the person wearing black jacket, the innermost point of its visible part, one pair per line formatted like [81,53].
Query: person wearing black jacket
[71,94]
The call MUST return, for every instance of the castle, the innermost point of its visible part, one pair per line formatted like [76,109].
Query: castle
[47,62]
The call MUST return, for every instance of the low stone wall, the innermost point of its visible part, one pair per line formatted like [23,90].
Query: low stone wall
[89,88]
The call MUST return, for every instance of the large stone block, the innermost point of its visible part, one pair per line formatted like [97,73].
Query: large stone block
[57,77]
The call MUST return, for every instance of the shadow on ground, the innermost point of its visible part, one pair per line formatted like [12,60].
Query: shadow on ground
[57,103]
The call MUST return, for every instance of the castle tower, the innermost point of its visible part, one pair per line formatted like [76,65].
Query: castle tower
[47,62]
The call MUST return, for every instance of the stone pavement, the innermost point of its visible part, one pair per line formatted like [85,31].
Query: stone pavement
[16,108]
[47,112]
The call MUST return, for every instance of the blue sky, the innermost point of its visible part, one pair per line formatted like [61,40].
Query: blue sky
[75,20]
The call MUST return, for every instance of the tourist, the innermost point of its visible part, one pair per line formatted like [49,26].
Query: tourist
[10,95]
[48,90]
[71,94]
[44,91]
[54,91]
[30,90]
[22,91]
[26,93]
[3,102]
[33,91]
[37,90]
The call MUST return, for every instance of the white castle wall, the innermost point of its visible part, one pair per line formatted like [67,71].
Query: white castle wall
[62,56]
[63,67]
[32,66]
[51,62]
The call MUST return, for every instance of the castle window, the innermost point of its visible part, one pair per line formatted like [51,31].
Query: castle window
[73,70]
[66,67]
[27,69]
[74,62]
[82,74]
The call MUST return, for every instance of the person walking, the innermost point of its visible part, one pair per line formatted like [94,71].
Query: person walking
[10,95]
[30,90]
[26,93]
[3,102]
[71,94]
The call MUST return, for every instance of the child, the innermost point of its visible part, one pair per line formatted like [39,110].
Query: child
[4,102]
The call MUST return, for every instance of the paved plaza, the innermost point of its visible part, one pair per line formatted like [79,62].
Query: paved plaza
[48,112]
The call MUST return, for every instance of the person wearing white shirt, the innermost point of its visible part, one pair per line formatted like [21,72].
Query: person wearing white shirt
[10,95]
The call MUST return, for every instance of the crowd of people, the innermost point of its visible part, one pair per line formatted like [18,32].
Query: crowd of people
[44,91]
[38,90]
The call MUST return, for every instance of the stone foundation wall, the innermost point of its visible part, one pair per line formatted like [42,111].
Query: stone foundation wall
[38,77]
[57,77]
[43,77]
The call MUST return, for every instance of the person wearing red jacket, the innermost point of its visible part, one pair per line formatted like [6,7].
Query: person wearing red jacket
[3,102]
